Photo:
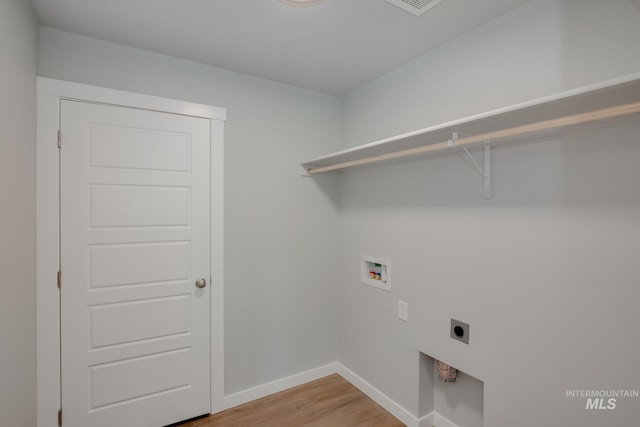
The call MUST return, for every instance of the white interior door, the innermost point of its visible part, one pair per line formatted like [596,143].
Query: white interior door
[135,237]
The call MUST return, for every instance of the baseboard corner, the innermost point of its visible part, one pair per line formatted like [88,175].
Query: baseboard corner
[380,398]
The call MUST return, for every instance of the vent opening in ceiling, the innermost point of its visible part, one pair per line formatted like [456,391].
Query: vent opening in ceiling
[417,7]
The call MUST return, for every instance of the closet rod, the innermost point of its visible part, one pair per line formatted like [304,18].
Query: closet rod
[494,136]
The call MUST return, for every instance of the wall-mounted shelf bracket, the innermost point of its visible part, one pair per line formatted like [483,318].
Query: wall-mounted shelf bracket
[488,184]
[484,172]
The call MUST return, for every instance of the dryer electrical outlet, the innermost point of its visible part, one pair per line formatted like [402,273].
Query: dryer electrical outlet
[459,331]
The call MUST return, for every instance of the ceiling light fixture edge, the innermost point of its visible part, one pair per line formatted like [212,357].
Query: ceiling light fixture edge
[302,3]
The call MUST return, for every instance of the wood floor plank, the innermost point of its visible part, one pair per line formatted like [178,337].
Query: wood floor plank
[328,402]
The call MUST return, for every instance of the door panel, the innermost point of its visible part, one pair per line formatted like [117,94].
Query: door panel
[135,236]
[138,206]
[121,147]
[140,377]
[128,264]
[125,322]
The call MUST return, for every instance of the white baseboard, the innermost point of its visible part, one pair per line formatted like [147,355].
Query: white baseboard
[440,421]
[277,386]
[431,420]
[380,398]
[435,420]
[427,420]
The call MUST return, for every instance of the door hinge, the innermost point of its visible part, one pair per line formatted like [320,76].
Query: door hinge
[60,417]
[59,138]
[59,279]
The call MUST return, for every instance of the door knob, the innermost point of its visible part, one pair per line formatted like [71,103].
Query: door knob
[201,283]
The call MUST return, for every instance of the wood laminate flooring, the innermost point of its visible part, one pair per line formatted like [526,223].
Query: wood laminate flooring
[327,402]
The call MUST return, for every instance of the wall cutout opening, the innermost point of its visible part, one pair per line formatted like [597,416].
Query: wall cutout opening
[449,404]
[376,272]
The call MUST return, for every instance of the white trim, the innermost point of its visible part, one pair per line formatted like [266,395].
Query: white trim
[380,398]
[217,265]
[48,262]
[49,94]
[277,386]
[433,419]
[440,421]
[427,420]
[82,92]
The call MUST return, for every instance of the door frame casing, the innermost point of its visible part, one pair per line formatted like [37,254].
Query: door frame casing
[50,93]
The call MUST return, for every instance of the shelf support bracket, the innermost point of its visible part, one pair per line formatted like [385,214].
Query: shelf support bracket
[484,172]
[487,187]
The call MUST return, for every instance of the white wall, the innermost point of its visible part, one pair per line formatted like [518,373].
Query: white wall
[281,230]
[18,47]
[547,271]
